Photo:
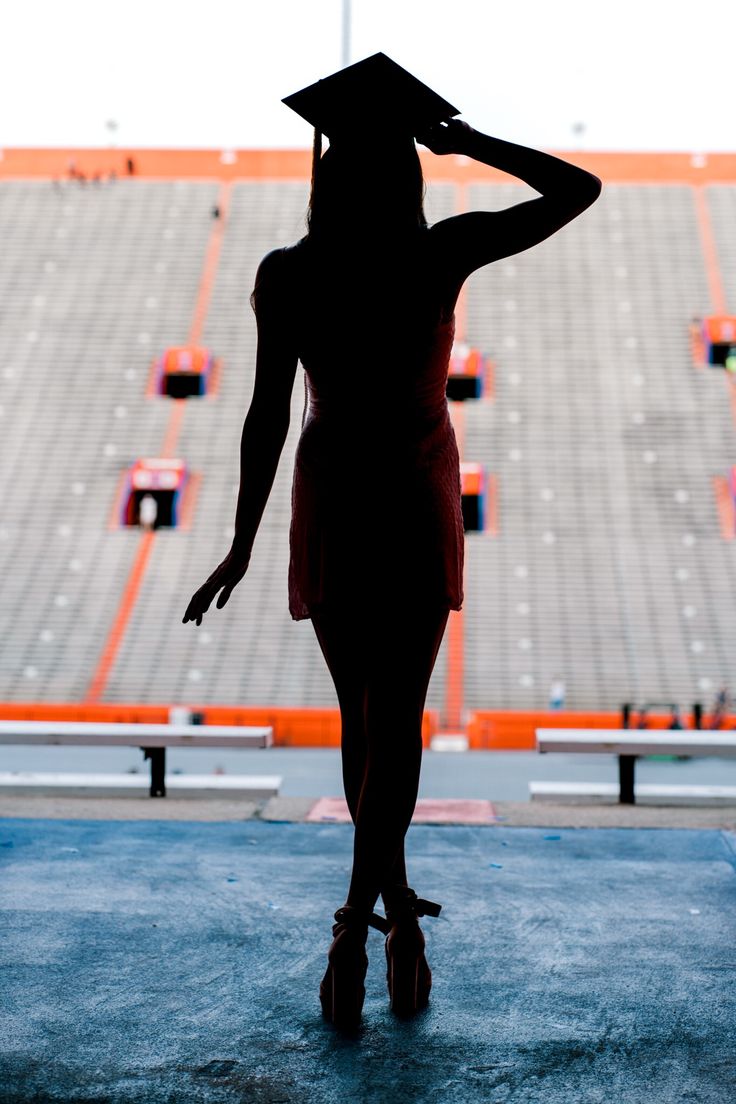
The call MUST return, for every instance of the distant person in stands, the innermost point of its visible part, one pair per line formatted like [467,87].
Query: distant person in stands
[75,174]
[379,580]
[130,166]
[557,693]
[675,719]
[643,721]
[216,212]
[148,512]
[720,709]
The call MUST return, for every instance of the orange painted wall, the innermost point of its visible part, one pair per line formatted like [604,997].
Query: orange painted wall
[291,727]
[281,164]
[512,731]
[487,731]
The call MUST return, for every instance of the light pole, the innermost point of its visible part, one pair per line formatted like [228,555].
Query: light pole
[346,13]
[578,130]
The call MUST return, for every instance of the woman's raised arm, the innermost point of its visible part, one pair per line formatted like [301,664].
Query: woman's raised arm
[479,237]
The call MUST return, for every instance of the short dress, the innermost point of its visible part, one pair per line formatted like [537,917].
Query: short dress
[376,515]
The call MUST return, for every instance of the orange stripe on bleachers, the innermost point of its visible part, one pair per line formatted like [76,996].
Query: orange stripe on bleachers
[725,507]
[455,679]
[454,690]
[211,262]
[457,417]
[204,294]
[130,593]
[455,683]
[489,390]
[697,348]
[125,608]
[713,274]
[150,391]
[710,253]
[178,408]
[213,384]
[492,503]
[189,499]
[114,518]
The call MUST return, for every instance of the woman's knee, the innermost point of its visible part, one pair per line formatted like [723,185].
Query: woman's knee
[353,734]
[393,729]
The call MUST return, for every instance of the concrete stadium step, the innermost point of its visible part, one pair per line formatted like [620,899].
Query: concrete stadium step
[254,786]
[606,793]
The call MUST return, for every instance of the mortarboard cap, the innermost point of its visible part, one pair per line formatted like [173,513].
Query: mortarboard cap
[375,91]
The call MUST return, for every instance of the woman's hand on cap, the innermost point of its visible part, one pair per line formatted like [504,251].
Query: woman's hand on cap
[449,137]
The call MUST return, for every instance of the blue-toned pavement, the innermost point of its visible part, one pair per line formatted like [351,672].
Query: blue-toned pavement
[179,962]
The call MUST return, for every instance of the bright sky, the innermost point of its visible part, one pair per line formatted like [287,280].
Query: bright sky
[639,74]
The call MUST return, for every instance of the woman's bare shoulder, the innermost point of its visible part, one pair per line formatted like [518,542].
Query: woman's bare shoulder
[277,273]
[279,262]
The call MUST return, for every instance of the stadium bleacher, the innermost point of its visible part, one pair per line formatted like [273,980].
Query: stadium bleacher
[609,567]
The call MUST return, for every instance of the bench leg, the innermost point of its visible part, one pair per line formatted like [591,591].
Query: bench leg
[626,779]
[158,770]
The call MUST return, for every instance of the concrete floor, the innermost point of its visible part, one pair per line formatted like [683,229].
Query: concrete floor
[508,814]
[179,962]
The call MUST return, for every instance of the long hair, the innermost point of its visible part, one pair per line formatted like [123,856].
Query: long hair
[353,186]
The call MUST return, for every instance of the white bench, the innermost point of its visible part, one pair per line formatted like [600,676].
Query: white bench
[76,784]
[152,739]
[628,744]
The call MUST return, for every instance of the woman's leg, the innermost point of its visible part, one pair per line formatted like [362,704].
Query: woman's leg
[403,654]
[397,656]
[343,645]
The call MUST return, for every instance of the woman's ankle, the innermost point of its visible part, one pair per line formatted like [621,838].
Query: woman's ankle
[364,903]
[393,893]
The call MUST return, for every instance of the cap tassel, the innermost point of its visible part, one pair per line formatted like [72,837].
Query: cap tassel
[316,153]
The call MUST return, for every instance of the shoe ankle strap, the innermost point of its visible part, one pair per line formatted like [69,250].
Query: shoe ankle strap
[408,904]
[426,908]
[354,917]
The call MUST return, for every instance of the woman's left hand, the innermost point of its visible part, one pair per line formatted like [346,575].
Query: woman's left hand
[226,576]
[449,136]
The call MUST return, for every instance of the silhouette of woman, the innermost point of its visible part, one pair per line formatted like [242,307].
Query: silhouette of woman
[366,302]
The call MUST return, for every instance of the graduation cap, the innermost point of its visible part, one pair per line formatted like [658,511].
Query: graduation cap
[373,92]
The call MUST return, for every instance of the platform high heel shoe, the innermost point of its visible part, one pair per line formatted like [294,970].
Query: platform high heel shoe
[342,989]
[408,974]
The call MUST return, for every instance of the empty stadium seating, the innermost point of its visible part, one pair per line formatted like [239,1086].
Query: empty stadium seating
[608,568]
